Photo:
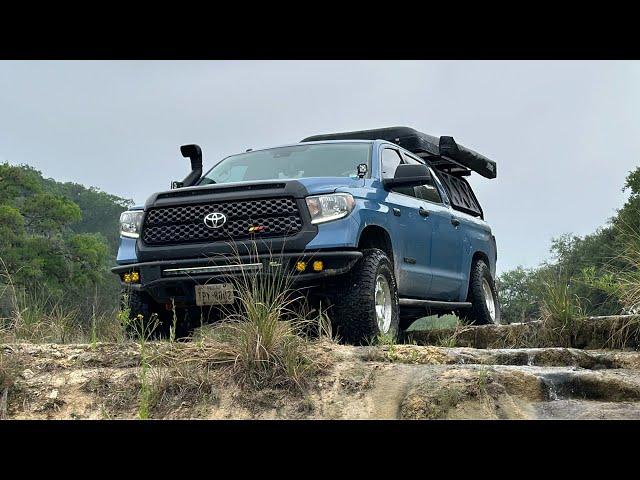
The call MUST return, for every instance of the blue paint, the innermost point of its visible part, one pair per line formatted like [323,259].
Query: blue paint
[126,251]
[442,252]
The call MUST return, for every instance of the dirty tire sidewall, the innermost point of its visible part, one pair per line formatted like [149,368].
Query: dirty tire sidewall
[479,313]
[354,305]
[141,303]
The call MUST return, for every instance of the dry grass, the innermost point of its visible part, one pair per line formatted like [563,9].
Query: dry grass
[264,339]
[9,371]
[36,316]
[114,396]
[623,332]
[628,281]
[561,314]
[182,384]
[451,339]
[258,353]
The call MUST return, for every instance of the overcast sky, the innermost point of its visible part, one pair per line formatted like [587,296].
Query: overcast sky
[564,134]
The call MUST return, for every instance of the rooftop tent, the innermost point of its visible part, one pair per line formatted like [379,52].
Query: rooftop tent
[443,153]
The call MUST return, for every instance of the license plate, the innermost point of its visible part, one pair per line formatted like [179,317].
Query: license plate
[215,294]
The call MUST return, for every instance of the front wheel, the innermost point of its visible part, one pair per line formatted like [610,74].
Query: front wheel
[142,317]
[366,304]
[483,296]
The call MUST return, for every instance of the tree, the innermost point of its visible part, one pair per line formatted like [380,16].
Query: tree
[590,263]
[58,237]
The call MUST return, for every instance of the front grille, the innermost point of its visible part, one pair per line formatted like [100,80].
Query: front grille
[185,223]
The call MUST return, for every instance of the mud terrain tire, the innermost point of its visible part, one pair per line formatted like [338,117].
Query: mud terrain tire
[354,306]
[479,313]
[141,303]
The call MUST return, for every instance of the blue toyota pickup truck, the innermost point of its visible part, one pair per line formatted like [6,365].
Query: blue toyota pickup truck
[381,225]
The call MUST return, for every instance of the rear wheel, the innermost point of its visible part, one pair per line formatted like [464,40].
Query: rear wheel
[366,304]
[485,307]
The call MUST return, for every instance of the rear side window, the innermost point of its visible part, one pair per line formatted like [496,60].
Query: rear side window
[461,196]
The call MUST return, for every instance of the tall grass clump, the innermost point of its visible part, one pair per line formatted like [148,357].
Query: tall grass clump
[560,311]
[628,280]
[625,332]
[263,338]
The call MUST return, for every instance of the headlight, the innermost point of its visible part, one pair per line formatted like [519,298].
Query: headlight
[130,223]
[324,208]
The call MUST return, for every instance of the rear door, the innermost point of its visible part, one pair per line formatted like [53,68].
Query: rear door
[411,232]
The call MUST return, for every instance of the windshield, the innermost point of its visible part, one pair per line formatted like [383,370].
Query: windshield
[298,161]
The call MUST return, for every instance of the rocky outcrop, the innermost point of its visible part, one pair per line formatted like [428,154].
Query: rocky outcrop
[616,332]
[393,381]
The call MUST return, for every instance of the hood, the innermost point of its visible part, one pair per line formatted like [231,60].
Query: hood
[317,185]
[299,187]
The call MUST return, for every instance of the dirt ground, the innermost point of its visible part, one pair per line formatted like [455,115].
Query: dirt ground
[106,381]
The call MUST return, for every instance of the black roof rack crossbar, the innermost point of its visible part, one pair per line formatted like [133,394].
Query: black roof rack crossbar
[443,152]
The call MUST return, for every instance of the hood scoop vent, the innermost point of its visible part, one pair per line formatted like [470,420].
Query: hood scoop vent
[179,193]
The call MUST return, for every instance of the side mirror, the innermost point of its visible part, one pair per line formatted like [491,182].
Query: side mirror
[408,175]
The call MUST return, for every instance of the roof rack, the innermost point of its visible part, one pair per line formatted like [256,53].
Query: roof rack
[443,153]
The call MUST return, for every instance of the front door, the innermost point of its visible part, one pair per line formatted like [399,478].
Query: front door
[444,249]
[412,229]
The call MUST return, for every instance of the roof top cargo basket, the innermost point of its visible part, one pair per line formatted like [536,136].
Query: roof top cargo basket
[443,153]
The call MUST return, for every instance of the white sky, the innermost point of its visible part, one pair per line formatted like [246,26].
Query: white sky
[564,133]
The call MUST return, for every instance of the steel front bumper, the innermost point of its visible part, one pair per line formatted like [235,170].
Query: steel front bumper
[176,279]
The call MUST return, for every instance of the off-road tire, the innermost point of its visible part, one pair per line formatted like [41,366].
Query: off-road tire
[141,303]
[479,314]
[353,309]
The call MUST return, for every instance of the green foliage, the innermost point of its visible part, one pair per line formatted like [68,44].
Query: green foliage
[11,225]
[100,211]
[18,181]
[47,214]
[60,238]
[519,289]
[594,266]
[628,219]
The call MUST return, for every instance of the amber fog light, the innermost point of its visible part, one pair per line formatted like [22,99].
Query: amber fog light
[131,277]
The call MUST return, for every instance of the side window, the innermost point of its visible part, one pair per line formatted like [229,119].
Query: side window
[428,191]
[390,161]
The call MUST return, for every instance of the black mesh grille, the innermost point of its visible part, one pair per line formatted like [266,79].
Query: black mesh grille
[185,223]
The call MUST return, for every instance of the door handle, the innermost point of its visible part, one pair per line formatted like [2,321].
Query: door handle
[423,211]
[455,222]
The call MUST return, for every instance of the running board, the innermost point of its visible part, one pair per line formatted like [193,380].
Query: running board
[410,302]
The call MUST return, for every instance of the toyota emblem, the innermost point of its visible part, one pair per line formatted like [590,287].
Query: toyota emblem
[215,220]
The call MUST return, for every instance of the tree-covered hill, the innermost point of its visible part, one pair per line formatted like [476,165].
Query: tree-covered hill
[58,239]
